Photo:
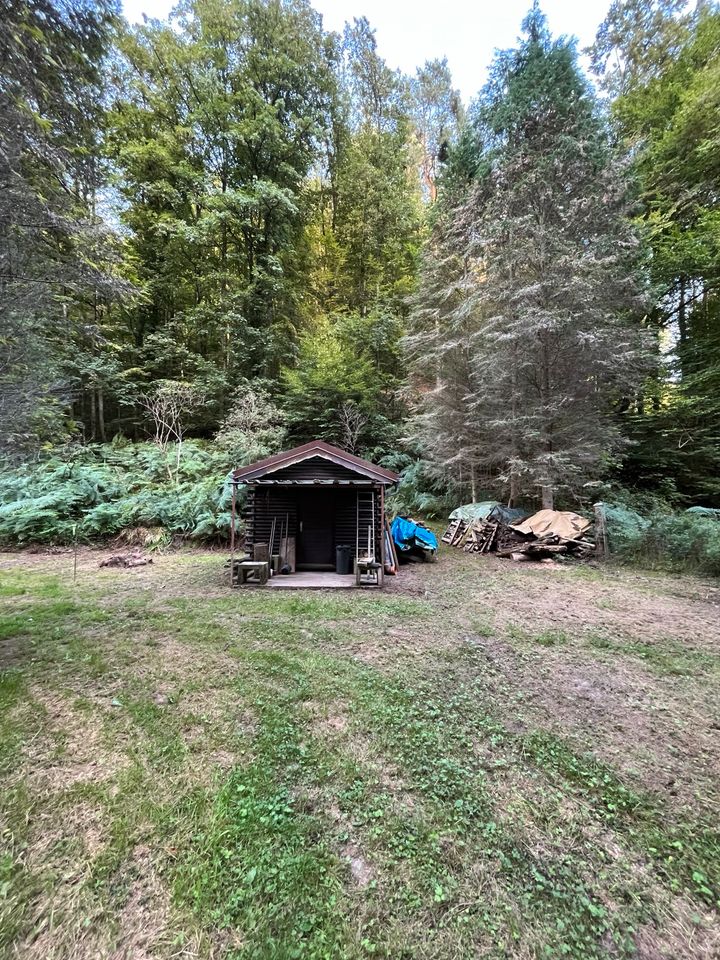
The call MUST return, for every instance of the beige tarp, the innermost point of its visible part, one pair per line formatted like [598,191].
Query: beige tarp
[560,523]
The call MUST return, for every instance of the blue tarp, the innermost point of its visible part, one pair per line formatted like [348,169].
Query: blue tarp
[411,536]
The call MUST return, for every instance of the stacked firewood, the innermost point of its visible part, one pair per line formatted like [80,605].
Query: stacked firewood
[539,548]
[480,536]
[493,535]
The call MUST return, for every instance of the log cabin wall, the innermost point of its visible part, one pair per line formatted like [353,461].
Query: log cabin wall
[265,501]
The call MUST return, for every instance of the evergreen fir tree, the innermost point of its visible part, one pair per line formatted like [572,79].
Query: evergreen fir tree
[549,281]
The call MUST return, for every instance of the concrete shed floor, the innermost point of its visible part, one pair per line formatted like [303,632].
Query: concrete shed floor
[312,580]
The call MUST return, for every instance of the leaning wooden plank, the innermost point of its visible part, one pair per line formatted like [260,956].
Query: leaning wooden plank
[462,527]
[396,560]
[450,531]
[391,560]
[490,538]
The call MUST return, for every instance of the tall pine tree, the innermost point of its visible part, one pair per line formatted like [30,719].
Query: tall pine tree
[541,322]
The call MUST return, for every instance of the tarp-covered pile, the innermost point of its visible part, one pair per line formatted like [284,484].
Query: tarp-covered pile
[486,509]
[500,530]
[412,539]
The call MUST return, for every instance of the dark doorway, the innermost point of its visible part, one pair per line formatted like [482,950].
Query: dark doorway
[316,523]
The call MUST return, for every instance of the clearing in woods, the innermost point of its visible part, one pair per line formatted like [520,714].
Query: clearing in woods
[486,760]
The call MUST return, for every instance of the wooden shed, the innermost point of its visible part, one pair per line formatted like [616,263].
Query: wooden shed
[321,497]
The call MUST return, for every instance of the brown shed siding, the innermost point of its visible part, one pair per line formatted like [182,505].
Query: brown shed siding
[315,489]
[264,503]
[261,506]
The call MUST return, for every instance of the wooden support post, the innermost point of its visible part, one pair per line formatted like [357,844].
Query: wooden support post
[232,534]
[382,528]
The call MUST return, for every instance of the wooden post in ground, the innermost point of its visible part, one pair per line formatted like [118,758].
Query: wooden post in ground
[602,546]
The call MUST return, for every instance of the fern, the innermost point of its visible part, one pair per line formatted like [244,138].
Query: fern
[101,490]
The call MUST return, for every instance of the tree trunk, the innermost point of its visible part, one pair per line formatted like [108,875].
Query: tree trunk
[602,549]
[514,490]
[682,311]
[548,498]
[93,413]
[101,414]
[473,483]
[515,445]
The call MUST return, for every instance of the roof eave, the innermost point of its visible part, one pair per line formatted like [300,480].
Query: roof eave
[315,449]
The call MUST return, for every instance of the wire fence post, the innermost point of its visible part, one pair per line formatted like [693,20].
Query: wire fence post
[75,549]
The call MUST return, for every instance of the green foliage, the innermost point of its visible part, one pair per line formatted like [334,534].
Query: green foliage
[275,183]
[99,491]
[418,494]
[254,428]
[661,61]
[677,542]
[56,255]
[655,536]
[258,863]
[522,334]
[214,128]
[346,362]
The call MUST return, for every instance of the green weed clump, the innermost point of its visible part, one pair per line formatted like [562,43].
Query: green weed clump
[98,491]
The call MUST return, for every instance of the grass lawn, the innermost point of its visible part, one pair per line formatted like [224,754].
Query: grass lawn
[487,759]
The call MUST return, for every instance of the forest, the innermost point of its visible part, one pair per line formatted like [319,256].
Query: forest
[235,231]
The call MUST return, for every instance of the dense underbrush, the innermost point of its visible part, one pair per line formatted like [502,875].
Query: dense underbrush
[150,497]
[95,492]
[664,539]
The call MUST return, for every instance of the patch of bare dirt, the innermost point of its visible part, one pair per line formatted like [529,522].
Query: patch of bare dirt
[70,750]
[619,603]
[175,573]
[410,580]
[635,721]
[143,922]
[361,870]
[682,935]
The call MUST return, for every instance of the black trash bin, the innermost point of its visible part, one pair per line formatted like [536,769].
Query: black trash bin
[343,559]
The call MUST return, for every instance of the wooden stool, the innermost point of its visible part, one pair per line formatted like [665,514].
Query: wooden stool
[369,573]
[253,571]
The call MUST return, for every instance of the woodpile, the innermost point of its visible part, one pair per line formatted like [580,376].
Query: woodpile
[125,560]
[494,535]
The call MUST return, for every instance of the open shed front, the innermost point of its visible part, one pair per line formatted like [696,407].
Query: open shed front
[303,504]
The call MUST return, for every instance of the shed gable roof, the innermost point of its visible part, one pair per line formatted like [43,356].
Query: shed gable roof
[308,451]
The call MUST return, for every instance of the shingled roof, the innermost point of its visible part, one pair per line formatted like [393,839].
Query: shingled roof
[316,448]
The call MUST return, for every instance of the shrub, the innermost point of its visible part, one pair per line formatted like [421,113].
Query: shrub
[417,494]
[665,540]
